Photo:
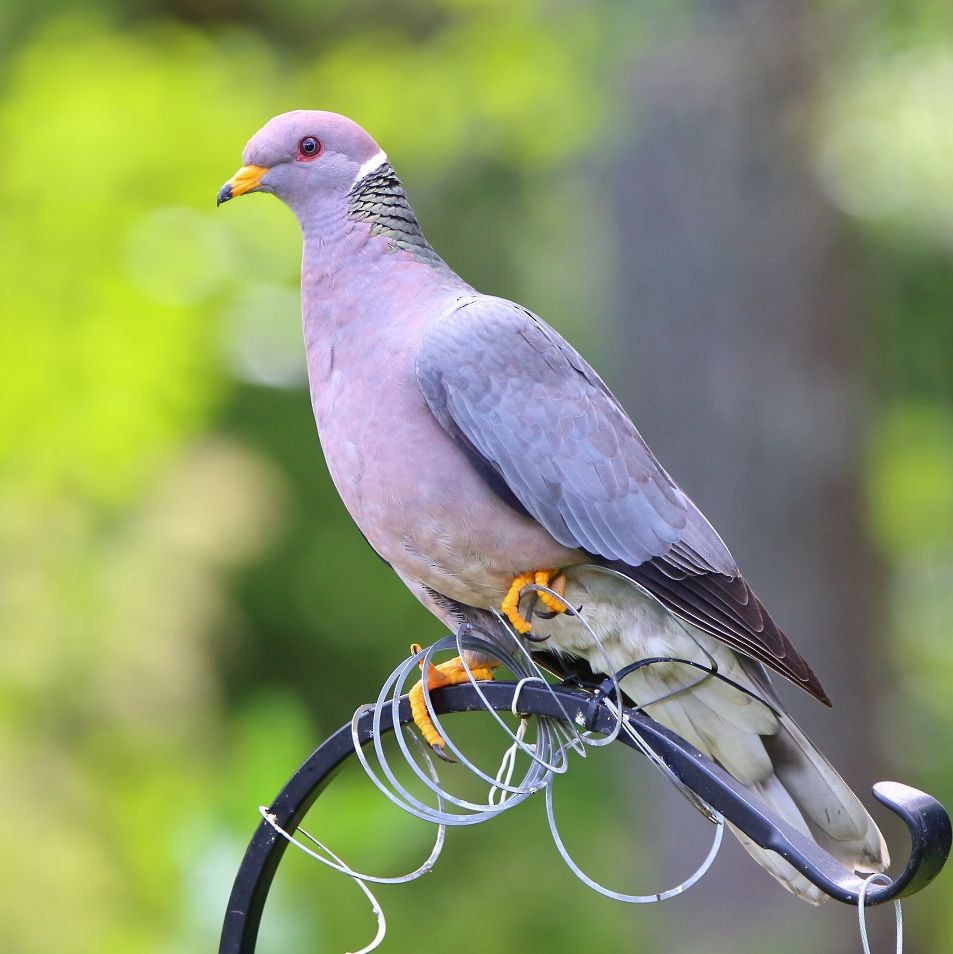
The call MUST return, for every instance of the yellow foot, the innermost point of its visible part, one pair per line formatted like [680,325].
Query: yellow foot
[511,602]
[449,673]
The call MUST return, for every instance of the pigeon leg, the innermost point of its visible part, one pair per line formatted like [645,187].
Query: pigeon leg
[551,578]
[449,673]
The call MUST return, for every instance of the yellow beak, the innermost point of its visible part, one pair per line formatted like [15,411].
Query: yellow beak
[247,179]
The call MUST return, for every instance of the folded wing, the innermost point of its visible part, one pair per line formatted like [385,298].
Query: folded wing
[550,438]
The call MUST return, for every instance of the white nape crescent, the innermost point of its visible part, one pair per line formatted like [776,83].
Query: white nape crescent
[375,162]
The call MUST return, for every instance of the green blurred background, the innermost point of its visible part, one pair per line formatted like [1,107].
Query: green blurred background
[741,211]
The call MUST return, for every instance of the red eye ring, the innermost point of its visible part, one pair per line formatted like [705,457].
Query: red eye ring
[309,148]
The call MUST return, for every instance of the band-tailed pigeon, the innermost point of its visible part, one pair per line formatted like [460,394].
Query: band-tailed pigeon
[478,451]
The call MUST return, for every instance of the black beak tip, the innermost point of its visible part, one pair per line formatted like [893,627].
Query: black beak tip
[224,194]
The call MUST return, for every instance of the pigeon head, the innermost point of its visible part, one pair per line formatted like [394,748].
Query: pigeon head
[303,157]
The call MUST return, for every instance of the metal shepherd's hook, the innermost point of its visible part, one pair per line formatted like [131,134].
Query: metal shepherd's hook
[925,818]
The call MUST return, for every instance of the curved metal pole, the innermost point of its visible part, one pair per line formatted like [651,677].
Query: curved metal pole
[925,818]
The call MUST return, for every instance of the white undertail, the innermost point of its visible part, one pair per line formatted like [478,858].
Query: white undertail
[765,751]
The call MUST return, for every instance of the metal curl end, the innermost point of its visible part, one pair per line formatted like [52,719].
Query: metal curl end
[930,837]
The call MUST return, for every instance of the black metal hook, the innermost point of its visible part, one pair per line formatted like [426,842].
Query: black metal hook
[925,818]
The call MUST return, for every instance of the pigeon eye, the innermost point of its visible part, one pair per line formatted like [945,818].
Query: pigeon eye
[309,148]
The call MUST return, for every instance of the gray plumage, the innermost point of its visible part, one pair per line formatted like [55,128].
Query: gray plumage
[471,443]
[521,401]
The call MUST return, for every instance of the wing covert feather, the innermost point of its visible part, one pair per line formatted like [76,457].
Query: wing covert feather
[550,437]
[499,379]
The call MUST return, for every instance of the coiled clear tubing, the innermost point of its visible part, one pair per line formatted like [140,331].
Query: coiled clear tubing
[548,756]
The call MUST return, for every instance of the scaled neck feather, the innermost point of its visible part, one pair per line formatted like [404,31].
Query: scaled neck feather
[378,198]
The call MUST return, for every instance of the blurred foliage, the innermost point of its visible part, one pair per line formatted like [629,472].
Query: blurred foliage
[883,156]
[186,607]
[181,633]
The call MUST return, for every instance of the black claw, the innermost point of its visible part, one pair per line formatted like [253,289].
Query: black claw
[438,750]
[530,638]
[552,614]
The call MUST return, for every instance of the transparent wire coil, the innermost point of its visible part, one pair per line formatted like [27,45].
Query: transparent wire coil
[548,755]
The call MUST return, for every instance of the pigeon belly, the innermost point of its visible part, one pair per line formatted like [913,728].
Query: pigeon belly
[413,492]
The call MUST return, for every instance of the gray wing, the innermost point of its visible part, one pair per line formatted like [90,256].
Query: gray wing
[553,441]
